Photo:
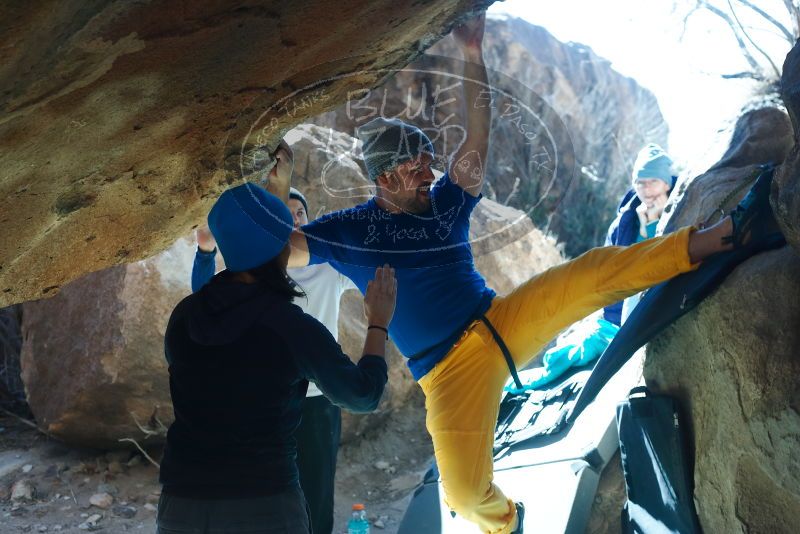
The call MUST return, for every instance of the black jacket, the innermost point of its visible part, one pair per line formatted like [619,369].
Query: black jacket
[240,357]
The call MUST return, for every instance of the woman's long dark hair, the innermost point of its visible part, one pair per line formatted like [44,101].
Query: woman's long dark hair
[274,276]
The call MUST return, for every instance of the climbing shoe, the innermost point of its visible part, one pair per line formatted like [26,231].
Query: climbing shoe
[753,220]
[520,517]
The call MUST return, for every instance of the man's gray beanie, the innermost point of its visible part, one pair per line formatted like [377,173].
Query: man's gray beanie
[386,143]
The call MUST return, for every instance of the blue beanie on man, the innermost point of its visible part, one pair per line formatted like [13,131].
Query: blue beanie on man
[387,143]
[251,226]
[652,162]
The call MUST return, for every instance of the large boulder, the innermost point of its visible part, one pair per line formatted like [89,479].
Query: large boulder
[760,136]
[733,361]
[122,121]
[566,126]
[93,358]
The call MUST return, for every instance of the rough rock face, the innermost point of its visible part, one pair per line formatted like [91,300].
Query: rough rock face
[122,121]
[94,353]
[733,363]
[786,195]
[93,357]
[610,498]
[760,136]
[566,126]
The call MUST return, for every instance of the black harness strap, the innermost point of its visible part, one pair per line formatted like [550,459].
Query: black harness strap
[506,353]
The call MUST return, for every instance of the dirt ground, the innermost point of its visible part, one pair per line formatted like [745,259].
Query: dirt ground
[381,470]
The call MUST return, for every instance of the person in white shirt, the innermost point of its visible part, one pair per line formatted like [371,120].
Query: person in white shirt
[320,429]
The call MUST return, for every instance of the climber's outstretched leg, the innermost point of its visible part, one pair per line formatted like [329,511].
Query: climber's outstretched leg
[539,309]
[463,390]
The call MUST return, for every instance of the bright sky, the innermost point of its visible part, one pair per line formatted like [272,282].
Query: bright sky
[642,39]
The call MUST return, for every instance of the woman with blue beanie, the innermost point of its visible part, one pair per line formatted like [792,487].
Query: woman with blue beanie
[240,357]
[640,210]
[320,427]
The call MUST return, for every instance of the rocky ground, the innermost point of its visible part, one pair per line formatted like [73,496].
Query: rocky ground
[46,486]
[381,470]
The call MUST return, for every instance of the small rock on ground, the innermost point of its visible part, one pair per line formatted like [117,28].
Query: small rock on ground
[101,500]
[124,511]
[22,490]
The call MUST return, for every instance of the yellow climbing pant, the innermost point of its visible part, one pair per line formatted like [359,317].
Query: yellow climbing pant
[463,391]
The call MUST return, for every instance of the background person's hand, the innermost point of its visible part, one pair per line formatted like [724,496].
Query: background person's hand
[205,239]
[282,171]
[279,179]
[652,208]
[381,296]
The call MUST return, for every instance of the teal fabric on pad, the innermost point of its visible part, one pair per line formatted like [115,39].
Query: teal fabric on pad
[581,346]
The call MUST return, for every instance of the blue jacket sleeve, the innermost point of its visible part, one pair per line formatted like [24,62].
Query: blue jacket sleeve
[202,268]
[319,357]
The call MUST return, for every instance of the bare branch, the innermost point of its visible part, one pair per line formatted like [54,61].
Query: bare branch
[691,12]
[754,64]
[766,56]
[794,14]
[786,33]
[745,74]
[23,420]
[159,431]
[141,450]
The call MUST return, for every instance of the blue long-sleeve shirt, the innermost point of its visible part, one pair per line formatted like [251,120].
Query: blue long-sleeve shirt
[202,268]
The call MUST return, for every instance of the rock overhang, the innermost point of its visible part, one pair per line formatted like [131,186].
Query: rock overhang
[123,121]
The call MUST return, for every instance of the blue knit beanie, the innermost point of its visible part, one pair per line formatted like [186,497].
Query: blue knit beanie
[251,226]
[652,162]
[386,143]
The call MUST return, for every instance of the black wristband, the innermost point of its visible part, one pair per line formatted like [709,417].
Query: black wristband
[379,328]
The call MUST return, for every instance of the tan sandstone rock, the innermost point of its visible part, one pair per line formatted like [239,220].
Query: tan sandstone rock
[786,194]
[760,136]
[122,121]
[93,356]
[733,362]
